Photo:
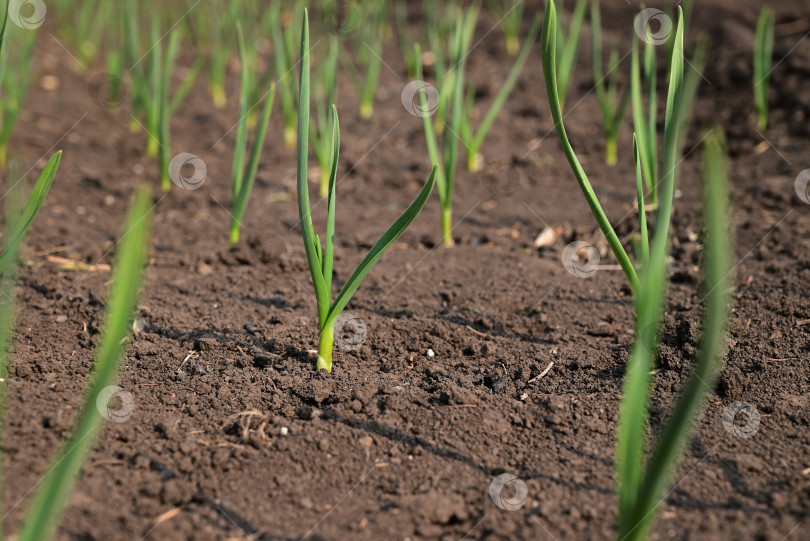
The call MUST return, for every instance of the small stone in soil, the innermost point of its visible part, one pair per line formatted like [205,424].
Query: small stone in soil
[430,353]
[496,382]
[284,431]
[366,441]
[138,326]
[777,501]
[306,413]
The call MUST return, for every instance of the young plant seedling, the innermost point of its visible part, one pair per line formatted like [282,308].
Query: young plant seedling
[509,14]
[82,27]
[674,110]
[643,80]
[283,51]
[641,486]
[256,23]
[444,29]
[23,224]
[451,95]
[568,46]
[692,76]
[145,74]
[763,53]
[168,105]
[164,111]
[111,92]
[368,47]
[474,140]
[8,309]
[151,80]
[611,105]
[324,93]
[441,20]
[218,45]
[15,62]
[404,38]
[321,258]
[640,489]
[53,493]
[645,126]
[671,9]
[16,226]
[244,176]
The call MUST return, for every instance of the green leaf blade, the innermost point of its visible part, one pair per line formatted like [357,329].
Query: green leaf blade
[379,248]
[304,210]
[718,284]
[508,85]
[48,503]
[240,145]
[35,201]
[242,197]
[329,249]
[549,47]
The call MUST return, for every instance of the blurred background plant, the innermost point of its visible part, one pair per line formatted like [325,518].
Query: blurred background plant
[16,54]
[763,53]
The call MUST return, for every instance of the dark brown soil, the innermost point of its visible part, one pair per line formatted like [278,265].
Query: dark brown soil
[396,444]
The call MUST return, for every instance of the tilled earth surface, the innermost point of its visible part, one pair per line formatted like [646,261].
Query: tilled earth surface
[233,434]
